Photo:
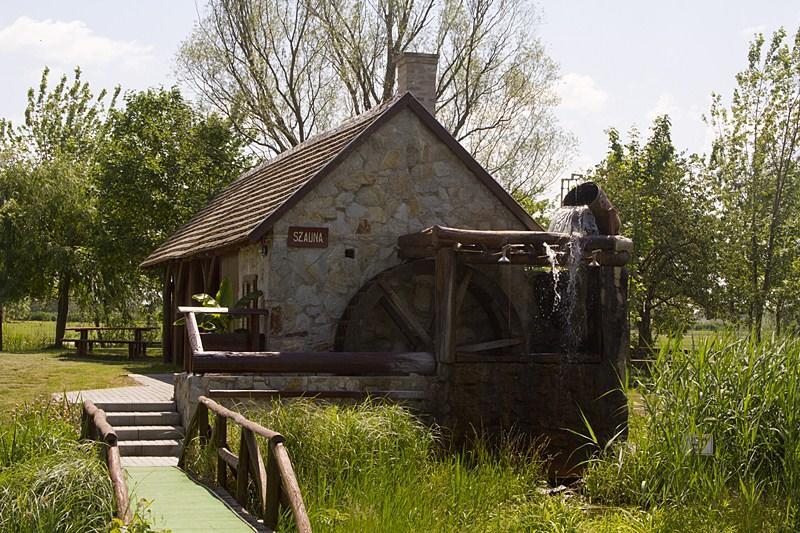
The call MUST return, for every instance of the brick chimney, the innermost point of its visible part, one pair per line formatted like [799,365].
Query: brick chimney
[416,73]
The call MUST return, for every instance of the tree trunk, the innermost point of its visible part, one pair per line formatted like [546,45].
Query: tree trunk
[63,308]
[1,327]
[778,317]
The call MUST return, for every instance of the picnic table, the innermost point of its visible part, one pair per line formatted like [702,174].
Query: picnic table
[136,347]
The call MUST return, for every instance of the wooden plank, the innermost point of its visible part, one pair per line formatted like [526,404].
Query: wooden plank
[291,488]
[337,363]
[403,317]
[203,428]
[444,301]
[490,345]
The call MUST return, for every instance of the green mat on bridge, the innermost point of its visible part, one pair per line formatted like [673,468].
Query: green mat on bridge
[180,504]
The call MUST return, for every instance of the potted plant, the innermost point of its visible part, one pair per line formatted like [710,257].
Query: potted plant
[218,331]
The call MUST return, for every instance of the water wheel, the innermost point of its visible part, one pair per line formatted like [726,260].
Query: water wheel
[394,312]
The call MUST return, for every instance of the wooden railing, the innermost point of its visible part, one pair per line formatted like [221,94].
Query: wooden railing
[275,481]
[95,426]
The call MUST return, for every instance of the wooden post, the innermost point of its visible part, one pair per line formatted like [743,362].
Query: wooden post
[243,470]
[273,496]
[445,291]
[203,429]
[167,313]
[221,441]
[178,298]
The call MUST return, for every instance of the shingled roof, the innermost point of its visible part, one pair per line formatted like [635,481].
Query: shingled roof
[247,208]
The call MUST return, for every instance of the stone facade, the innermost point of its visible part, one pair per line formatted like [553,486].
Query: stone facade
[400,180]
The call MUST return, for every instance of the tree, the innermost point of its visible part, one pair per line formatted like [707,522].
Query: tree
[283,70]
[160,163]
[21,254]
[667,209]
[58,140]
[755,163]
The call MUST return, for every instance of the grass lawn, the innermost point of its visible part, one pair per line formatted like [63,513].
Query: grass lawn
[27,374]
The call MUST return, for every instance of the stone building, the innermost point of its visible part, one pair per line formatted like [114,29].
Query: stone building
[348,236]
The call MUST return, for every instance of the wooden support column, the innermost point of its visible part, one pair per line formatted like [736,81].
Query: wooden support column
[445,301]
[168,313]
[178,296]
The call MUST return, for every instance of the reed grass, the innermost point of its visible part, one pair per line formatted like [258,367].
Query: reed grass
[24,336]
[49,481]
[744,395]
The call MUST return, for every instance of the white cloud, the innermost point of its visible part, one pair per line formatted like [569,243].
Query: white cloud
[750,31]
[580,92]
[665,105]
[70,43]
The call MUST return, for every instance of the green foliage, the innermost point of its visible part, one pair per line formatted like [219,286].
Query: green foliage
[668,212]
[742,393]
[48,480]
[218,322]
[162,161]
[754,163]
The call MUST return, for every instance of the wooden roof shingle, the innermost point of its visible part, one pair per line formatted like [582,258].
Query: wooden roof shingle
[247,208]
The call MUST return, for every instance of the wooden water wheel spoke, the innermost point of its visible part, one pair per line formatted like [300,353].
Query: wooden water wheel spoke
[490,345]
[396,312]
[404,319]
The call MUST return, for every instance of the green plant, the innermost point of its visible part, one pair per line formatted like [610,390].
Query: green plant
[219,322]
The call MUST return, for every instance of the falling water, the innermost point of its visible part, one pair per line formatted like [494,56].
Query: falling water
[577,222]
[552,257]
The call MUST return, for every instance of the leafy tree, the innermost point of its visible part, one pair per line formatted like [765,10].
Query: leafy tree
[755,163]
[58,140]
[21,254]
[668,212]
[283,70]
[160,163]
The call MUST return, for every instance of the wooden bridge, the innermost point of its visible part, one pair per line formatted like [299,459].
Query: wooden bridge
[181,503]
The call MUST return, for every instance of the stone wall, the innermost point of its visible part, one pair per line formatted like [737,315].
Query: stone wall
[400,180]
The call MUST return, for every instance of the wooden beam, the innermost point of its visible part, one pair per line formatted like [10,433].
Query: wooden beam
[461,293]
[444,301]
[337,363]
[268,394]
[403,317]
[291,488]
[490,345]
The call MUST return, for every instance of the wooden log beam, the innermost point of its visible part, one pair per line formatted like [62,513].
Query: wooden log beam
[228,458]
[445,305]
[226,413]
[221,443]
[120,485]
[268,394]
[291,488]
[490,345]
[258,471]
[336,363]
[404,318]
[243,469]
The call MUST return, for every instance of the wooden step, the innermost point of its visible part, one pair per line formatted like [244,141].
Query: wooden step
[144,418]
[149,448]
[149,432]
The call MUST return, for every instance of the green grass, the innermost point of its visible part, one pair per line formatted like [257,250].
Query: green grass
[49,481]
[33,372]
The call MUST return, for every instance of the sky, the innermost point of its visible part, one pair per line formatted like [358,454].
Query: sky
[622,62]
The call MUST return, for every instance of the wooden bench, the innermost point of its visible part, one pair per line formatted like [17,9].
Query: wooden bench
[137,347]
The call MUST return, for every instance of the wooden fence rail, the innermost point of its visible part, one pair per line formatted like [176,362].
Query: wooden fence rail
[95,426]
[274,479]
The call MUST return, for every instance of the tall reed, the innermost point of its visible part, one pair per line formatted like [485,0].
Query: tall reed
[739,394]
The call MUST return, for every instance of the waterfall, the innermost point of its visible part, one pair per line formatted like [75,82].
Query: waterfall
[577,222]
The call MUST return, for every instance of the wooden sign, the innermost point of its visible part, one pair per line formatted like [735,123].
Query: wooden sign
[302,237]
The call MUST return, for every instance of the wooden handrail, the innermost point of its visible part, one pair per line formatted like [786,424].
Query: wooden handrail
[95,426]
[274,481]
